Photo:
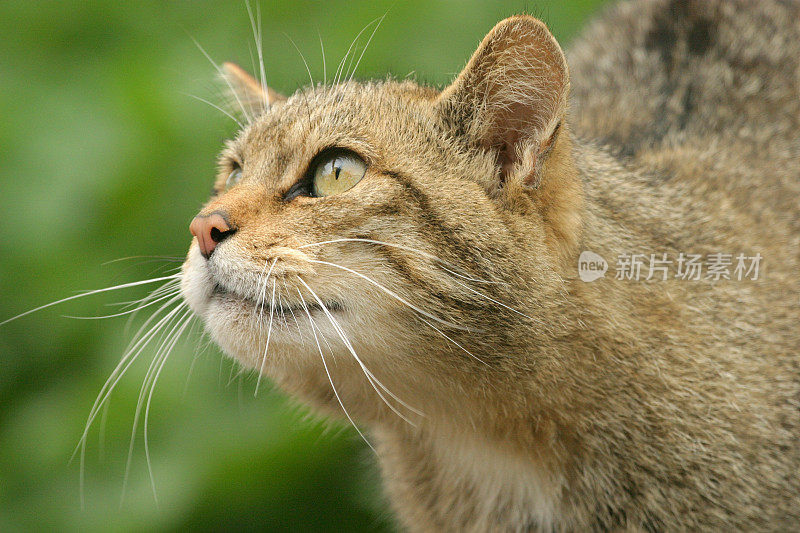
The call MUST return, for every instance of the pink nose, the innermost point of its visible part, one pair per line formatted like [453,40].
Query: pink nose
[210,230]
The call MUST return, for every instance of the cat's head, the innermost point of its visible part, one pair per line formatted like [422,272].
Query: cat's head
[386,233]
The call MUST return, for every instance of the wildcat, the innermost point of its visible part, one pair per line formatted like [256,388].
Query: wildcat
[408,258]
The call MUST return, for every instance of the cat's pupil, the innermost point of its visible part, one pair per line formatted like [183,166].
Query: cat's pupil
[336,171]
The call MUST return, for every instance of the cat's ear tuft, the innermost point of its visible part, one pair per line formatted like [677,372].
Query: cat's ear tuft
[246,93]
[512,96]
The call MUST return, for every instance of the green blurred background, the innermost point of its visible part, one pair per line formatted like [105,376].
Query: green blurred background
[103,156]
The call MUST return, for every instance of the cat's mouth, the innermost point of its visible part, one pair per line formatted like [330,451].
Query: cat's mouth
[280,307]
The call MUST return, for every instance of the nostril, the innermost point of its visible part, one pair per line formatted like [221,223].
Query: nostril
[211,230]
[218,236]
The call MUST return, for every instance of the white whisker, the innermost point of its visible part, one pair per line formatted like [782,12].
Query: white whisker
[327,372]
[408,249]
[262,282]
[324,66]
[443,334]
[90,293]
[296,323]
[160,291]
[129,357]
[501,304]
[339,70]
[370,377]
[392,294]
[219,70]
[164,288]
[302,57]
[166,258]
[215,106]
[176,336]
[129,311]
[378,25]
[200,347]
[470,289]
[282,313]
[101,445]
[269,334]
[258,38]
[172,322]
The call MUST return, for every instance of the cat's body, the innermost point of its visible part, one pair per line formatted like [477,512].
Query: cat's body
[547,403]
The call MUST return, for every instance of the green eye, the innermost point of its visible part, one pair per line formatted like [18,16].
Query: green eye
[337,173]
[233,178]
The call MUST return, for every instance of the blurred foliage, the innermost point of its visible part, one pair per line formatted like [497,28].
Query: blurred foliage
[105,156]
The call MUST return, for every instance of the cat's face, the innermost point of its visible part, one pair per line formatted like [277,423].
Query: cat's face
[426,262]
[408,200]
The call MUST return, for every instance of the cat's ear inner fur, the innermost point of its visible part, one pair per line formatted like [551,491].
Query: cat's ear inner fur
[246,92]
[512,96]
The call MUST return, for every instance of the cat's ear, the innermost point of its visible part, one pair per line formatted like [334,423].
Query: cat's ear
[511,97]
[246,91]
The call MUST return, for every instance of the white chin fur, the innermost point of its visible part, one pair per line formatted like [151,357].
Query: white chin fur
[240,330]
[196,282]
[227,321]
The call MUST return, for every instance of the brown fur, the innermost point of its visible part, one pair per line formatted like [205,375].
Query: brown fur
[547,403]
